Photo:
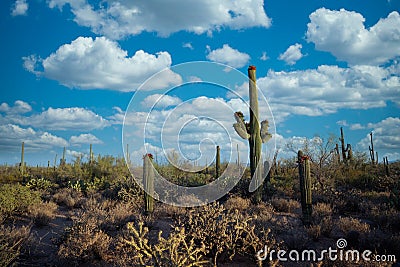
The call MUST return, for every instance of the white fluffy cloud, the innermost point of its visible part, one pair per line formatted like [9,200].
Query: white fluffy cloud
[292,54]
[67,119]
[100,63]
[160,101]
[19,8]
[74,118]
[120,18]
[229,56]
[12,135]
[325,90]
[343,34]
[386,137]
[84,139]
[20,107]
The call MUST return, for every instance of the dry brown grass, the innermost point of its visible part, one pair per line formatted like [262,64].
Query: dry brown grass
[11,241]
[348,224]
[68,197]
[42,213]
[285,205]
[237,202]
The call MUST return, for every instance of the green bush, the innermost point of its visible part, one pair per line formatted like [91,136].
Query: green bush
[16,198]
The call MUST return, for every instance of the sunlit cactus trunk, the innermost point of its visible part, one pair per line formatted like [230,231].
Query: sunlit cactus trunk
[255,133]
[148,183]
[22,165]
[218,163]
[305,186]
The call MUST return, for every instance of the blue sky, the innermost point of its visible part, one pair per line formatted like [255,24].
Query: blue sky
[71,67]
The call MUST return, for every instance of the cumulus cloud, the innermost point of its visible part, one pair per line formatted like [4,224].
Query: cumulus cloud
[74,118]
[327,89]
[160,101]
[188,45]
[67,119]
[343,34]
[117,19]
[386,136]
[229,56]
[19,8]
[100,63]
[12,135]
[20,107]
[84,139]
[292,54]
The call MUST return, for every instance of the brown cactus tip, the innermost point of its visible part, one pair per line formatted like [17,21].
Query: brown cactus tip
[252,67]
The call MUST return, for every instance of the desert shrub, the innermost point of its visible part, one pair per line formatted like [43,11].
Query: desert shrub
[225,233]
[322,217]
[285,205]
[348,224]
[11,241]
[237,202]
[176,250]
[314,231]
[39,184]
[42,213]
[68,197]
[16,198]
[84,241]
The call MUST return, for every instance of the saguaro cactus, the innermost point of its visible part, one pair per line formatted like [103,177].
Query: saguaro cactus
[218,163]
[148,183]
[62,160]
[386,165]
[371,150]
[254,132]
[305,186]
[22,165]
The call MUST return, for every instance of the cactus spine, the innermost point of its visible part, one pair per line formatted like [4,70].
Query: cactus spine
[22,168]
[218,163]
[305,186]
[148,183]
[254,133]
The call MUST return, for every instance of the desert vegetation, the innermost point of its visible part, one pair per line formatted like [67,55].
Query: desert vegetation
[92,213]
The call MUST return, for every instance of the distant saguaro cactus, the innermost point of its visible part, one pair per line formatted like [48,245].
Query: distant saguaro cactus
[254,132]
[371,150]
[22,164]
[305,186]
[217,163]
[148,183]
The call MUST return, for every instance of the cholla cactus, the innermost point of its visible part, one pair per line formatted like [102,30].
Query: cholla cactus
[253,132]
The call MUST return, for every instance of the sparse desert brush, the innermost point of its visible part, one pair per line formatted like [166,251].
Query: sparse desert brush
[348,224]
[11,241]
[237,202]
[42,213]
[176,250]
[263,212]
[85,241]
[68,197]
[16,198]
[226,233]
[285,205]
[314,231]
[322,217]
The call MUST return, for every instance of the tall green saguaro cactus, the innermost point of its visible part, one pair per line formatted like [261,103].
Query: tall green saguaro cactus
[148,183]
[305,186]
[254,132]
[22,168]
[218,163]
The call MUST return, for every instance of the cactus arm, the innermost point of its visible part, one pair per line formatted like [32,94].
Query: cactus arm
[240,125]
[265,135]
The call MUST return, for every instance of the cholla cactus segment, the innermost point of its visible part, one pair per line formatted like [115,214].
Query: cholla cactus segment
[265,135]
